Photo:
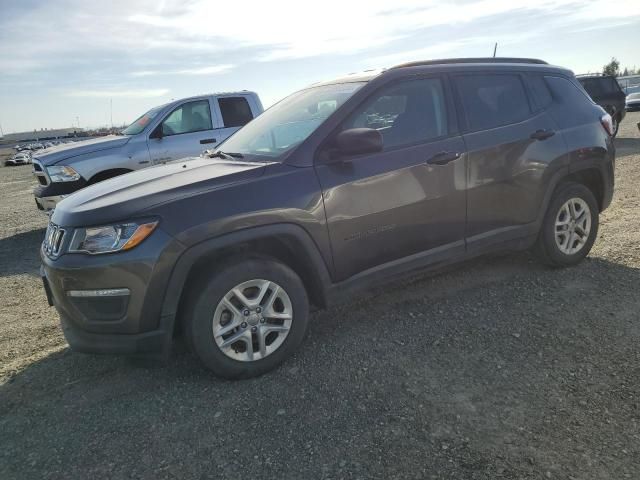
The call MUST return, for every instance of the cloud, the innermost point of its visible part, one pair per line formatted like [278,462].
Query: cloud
[211,70]
[137,93]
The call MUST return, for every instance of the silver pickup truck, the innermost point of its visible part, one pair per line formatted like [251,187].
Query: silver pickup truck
[182,128]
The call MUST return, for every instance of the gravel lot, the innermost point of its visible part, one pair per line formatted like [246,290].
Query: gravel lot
[500,368]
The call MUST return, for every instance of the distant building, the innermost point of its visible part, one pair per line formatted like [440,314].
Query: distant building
[39,135]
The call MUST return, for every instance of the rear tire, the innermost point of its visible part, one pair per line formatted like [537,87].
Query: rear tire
[247,318]
[570,226]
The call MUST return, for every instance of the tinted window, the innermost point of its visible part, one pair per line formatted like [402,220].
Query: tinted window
[575,107]
[600,86]
[492,100]
[540,91]
[235,111]
[404,113]
[187,118]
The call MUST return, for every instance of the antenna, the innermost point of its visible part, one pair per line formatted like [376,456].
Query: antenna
[495,48]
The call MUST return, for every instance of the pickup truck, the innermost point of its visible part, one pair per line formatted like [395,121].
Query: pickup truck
[182,128]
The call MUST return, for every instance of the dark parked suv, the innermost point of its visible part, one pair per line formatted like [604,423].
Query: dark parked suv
[606,92]
[338,186]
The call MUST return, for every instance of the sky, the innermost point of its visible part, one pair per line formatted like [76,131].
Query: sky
[76,62]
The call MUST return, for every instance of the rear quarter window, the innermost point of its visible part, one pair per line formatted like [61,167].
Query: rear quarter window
[491,101]
[235,111]
[572,106]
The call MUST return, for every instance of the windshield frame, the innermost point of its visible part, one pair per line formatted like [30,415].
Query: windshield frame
[156,112]
[285,154]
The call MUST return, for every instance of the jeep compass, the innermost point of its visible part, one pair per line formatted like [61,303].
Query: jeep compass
[341,185]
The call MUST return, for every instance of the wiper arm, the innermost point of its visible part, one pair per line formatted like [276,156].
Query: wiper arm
[226,156]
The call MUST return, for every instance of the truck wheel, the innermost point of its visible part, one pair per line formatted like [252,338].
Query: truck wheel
[247,318]
[569,227]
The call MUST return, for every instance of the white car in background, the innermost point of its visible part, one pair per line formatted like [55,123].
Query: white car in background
[632,102]
[21,158]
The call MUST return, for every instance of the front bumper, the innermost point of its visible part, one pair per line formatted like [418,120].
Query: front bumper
[129,322]
[48,196]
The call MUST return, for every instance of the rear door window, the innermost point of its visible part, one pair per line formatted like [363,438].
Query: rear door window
[492,101]
[539,91]
[235,111]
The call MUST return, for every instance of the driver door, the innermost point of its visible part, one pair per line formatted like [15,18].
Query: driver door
[185,132]
[408,199]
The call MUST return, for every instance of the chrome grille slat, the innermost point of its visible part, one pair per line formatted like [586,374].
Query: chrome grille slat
[53,240]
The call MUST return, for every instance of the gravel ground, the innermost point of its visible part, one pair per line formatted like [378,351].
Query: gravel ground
[500,368]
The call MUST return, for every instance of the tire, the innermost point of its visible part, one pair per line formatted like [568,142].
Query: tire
[557,249]
[215,308]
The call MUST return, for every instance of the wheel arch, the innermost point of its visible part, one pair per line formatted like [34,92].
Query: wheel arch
[287,243]
[106,174]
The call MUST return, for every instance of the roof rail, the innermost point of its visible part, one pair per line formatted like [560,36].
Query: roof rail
[596,74]
[446,61]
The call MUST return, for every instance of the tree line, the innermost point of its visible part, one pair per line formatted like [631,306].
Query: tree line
[613,68]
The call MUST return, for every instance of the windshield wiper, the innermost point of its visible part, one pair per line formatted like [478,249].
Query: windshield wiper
[225,155]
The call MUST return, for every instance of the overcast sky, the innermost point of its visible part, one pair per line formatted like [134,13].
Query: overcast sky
[62,59]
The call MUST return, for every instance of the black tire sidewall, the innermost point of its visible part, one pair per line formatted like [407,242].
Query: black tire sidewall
[203,305]
[564,193]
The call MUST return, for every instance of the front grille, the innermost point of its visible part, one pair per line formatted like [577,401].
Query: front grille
[53,240]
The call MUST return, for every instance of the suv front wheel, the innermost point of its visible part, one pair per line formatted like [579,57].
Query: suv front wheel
[247,317]
[569,227]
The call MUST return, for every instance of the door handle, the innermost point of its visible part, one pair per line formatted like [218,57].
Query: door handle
[207,140]
[442,158]
[542,134]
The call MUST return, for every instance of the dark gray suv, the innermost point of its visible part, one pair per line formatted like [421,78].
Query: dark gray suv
[338,186]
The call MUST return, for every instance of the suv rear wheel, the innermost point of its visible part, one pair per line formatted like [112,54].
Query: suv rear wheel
[247,318]
[569,227]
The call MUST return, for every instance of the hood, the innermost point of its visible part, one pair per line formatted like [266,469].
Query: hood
[53,155]
[124,197]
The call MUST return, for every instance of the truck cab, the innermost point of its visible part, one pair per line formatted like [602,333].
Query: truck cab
[182,128]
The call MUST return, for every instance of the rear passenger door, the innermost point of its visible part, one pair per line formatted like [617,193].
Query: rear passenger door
[511,143]
[234,112]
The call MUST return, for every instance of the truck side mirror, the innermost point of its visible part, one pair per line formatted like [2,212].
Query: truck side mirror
[157,132]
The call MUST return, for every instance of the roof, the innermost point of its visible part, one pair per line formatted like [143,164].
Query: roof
[368,75]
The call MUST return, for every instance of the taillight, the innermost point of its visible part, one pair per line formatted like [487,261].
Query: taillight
[607,123]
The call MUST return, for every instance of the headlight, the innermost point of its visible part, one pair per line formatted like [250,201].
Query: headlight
[110,238]
[62,174]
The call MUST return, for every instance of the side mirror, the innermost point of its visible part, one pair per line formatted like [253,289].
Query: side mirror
[157,133]
[357,141]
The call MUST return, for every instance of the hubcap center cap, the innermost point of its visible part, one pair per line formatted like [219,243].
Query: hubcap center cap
[253,319]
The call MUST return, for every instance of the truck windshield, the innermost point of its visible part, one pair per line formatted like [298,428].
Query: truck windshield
[290,121]
[140,124]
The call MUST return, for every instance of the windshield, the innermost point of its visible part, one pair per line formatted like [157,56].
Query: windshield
[290,121]
[140,124]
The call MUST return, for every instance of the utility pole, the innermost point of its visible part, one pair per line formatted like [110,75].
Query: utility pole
[495,48]
[111,111]
[78,120]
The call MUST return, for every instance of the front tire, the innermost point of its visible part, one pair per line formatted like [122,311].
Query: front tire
[247,318]
[570,226]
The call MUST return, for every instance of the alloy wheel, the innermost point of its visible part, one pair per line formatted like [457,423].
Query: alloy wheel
[572,226]
[252,320]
